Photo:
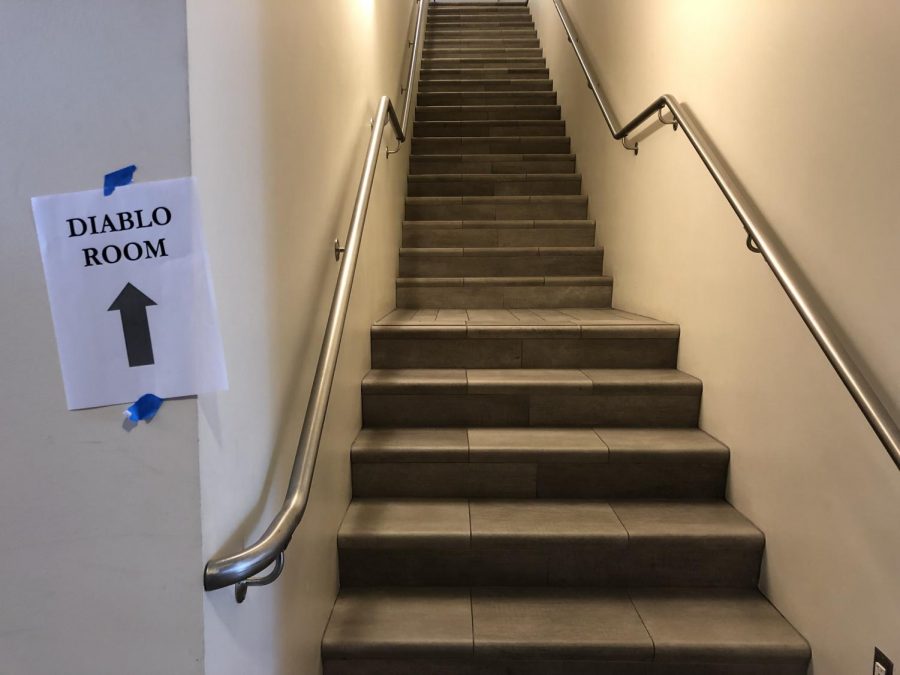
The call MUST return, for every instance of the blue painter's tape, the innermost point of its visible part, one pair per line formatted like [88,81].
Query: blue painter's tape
[118,178]
[145,408]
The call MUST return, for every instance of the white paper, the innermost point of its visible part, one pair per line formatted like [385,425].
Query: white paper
[157,247]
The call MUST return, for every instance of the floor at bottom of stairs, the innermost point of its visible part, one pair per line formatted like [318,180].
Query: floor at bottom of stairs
[557,631]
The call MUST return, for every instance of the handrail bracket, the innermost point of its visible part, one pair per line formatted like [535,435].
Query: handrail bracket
[240,588]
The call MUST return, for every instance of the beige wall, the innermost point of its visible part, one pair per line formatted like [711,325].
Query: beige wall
[99,527]
[798,96]
[281,97]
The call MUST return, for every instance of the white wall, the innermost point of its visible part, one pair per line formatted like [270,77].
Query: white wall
[100,554]
[281,96]
[799,97]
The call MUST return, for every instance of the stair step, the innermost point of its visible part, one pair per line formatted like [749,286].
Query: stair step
[538,542]
[479,22]
[484,233]
[486,98]
[484,73]
[542,463]
[490,145]
[424,165]
[530,397]
[495,85]
[484,6]
[489,128]
[483,52]
[454,113]
[473,345]
[432,63]
[575,631]
[510,292]
[508,18]
[479,9]
[497,262]
[551,207]
[465,31]
[497,184]
[498,13]
[482,43]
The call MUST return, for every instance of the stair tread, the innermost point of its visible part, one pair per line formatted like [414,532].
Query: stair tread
[495,177]
[463,523]
[505,281]
[490,139]
[437,331]
[481,52]
[474,60]
[479,28]
[492,224]
[511,444]
[527,380]
[486,82]
[508,251]
[515,317]
[505,159]
[488,199]
[465,125]
[696,626]
[500,70]
[509,97]
[485,108]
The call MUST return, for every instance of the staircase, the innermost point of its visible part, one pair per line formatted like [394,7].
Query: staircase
[531,493]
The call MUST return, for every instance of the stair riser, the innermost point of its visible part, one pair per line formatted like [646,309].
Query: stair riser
[489,128]
[479,73]
[480,43]
[501,266]
[538,410]
[479,22]
[512,210]
[721,563]
[422,165]
[485,113]
[475,14]
[530,480]
[486,98]
[501,53]
[429,64]
[432,237]
[532,666]
[493,38]
[524,353]
[496,86]
[478,9]
[451,32]
[499,188]
[512,14]
[516,145]
[435,18]
[511,297]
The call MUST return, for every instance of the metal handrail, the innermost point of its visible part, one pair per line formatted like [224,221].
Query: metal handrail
[239,568]
[761,239]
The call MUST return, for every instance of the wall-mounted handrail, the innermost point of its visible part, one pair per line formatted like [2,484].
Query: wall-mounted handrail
[761,239]
[413,62]
[239,568]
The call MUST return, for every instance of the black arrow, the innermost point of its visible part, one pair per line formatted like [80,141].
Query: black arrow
[132,305]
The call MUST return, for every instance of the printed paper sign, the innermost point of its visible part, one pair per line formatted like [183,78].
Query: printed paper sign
[130,293]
